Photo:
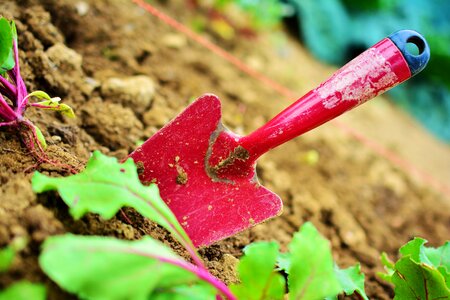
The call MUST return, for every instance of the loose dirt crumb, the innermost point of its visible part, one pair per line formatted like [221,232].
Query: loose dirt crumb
[182,177]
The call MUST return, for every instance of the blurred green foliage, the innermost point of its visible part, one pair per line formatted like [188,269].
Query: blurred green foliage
[337,30]
[263,13]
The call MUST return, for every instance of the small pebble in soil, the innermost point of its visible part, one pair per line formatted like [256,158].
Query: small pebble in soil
[136,92]
[82,8]
[64,58]
[56,138]
[174,40]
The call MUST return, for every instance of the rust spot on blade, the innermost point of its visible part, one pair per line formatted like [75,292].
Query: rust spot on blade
[182,177]
[239,153]
[140,167]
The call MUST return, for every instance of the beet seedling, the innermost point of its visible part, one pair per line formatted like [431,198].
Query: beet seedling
[14,98]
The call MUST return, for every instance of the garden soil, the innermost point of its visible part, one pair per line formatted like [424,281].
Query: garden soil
[126,74]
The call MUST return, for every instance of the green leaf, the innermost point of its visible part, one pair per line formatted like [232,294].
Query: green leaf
[284,261]
[414,280]
[311,273]
[24,290]
[438,258]
[104,187]
[62,108]
[389,266]
[351,280]
[414,249]
[258,278]
[262,13]
[8,253]
[13,30]
[40,137]
[109,268]
[6,45]
[6,258]
[51,103]
[421,273]
[40,95]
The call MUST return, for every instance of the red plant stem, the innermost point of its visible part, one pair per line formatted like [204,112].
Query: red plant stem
[20,84]
[22,98]
[6,112]
[33,131]
[193,253]
[200,272]
[11,123]
[5,91]
[8,86]
[44,106]
[203,274]
[124,215]
[186,243]
[12,75]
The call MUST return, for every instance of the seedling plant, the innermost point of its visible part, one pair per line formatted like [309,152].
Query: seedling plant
[14,98]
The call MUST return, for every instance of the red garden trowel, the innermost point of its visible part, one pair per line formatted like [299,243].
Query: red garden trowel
[206,174]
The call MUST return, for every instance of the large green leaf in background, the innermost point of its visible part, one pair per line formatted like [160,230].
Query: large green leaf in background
[256,269]
[24,290]
[438,258]
[311,269]
[106,268]
[351,280]
[6,258]
[418,281]
[7,35]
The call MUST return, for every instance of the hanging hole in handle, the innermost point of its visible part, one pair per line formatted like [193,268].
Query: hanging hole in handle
[415,45]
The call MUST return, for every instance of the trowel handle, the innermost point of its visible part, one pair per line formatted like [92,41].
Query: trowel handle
[379,68]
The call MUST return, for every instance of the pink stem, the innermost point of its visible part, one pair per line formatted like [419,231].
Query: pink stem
[201,272]
[187,243]
[4,91]
[43,106]
[8,123]
[21,90]
[6,112]
[12,75]
[8,85]
[33,130]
